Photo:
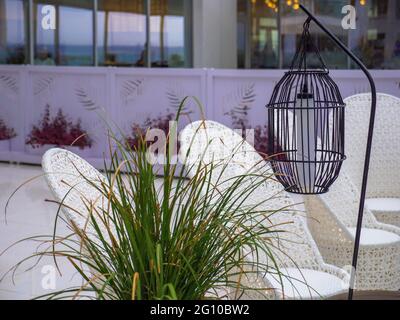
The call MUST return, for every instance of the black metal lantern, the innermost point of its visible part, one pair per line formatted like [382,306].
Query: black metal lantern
[306,117]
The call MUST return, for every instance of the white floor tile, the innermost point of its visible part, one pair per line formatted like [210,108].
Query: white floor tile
[28,215]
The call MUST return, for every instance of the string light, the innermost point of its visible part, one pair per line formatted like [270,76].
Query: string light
[272,4]
[295,4]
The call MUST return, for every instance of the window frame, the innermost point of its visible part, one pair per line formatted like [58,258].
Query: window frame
[348,65]
[188,32]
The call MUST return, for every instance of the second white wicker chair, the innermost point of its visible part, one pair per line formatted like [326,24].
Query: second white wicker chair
[305,275]
[383,192]
[333,220]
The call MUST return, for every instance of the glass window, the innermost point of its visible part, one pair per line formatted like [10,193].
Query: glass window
[167,33]
[121,33]
[76,33]
[291,29]
[261,31]
[376,39]
[45,47]
[242,30]
[63,32]
[69,39]
[290,32]
[398,9]
[13,32]
[377,8]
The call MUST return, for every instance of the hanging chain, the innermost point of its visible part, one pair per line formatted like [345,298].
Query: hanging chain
[300,58]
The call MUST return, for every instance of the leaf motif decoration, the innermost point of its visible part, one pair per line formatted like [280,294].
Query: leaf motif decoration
[9,82]
[175,97]
[85,100]
[246,96]
[242,99]
[42,85]
[131,88]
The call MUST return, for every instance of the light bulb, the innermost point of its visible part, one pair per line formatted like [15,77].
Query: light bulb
[305,139]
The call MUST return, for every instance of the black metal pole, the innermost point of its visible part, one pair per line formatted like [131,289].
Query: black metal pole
[369,143]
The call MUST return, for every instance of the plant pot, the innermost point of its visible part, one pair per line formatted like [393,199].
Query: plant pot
[39,151]
[5,145]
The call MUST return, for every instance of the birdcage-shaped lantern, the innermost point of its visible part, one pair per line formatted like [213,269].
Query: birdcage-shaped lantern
[306,119]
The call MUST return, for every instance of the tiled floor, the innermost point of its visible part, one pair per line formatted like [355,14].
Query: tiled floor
[28,215]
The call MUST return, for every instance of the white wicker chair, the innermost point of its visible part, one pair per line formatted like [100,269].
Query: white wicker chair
[75,183]
[305,273]
[383,192]
[333,220]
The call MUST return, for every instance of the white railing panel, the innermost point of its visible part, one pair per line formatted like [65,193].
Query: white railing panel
[124,96]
